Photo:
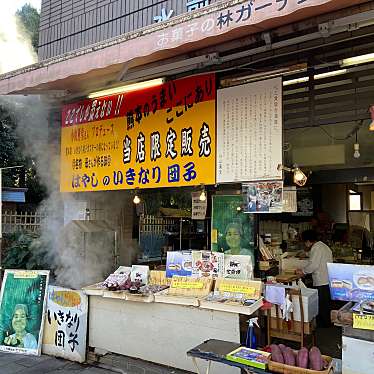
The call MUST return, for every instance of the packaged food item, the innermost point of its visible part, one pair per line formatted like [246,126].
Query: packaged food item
[179,263]
[207,264]
[140,274]
[250,357]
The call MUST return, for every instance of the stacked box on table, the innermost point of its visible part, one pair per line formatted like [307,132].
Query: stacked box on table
[250,357]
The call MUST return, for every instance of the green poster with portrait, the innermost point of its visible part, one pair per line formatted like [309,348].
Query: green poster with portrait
[22,306]
[233,232]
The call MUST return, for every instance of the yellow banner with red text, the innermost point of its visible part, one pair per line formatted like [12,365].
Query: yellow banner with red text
[159,137]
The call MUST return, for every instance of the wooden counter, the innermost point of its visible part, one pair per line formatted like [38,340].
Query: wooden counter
[287,278]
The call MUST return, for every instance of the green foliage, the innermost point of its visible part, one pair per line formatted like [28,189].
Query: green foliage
[8,150]
[10,155]
[10,144]
[30,19]
[166,198]
[24,250]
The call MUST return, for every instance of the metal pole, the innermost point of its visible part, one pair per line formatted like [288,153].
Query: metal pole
[180,233]
[1,215]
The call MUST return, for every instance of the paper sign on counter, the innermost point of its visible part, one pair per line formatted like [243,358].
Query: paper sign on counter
[237,288]
[190,284]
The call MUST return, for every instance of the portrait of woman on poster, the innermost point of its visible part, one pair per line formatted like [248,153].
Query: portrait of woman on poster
[20,338]
[233,237]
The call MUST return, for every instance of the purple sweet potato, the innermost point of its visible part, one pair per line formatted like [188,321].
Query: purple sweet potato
[302,358]
[289,357]
[315,359]
[276,354]
[283,348]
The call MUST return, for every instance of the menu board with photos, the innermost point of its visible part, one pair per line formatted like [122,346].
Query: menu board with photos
[249,132]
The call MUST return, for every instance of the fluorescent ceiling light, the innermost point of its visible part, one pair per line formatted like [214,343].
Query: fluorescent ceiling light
[128,88]
[316,77]
[357,60]
[295,81]
[330,74]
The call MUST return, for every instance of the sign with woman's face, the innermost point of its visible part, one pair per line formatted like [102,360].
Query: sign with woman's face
[22,304]
[19,320]
[233,231]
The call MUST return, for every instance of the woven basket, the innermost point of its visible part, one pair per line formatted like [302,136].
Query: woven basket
[276,367]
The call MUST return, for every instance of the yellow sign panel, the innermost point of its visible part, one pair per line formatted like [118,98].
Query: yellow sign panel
[237,288]
[158,137]
[214,236]
[189,284]
[364,322]
[65,298]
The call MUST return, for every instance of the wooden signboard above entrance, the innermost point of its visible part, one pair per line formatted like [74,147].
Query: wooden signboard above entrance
[158,137]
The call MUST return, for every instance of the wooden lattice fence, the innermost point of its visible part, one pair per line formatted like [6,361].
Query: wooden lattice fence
[13,221]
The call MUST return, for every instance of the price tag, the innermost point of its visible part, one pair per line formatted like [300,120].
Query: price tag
[237,288]
[190,284]
[364,322]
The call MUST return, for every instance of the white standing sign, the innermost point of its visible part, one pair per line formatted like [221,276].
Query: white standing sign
[198,207]
[238,267]
[65,329]
[249,132]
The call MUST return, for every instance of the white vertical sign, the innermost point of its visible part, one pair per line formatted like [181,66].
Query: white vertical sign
[289,199]
[199,207]
[249,132]
[65,328]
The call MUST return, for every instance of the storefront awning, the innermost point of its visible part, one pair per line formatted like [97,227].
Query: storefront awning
[101,64]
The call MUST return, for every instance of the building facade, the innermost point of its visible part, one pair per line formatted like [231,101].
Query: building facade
[67,25]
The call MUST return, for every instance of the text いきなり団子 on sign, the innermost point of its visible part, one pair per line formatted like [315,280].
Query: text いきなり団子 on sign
[157,137]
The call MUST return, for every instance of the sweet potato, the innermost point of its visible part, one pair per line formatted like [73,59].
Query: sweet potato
[276,354]
[283,348]
[302,358]
[289,357]
[315,359]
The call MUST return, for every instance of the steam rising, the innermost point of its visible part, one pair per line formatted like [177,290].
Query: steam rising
[81,258]
[15,48]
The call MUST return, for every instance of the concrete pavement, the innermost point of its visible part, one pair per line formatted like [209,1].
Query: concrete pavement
[12,364]
[19,364]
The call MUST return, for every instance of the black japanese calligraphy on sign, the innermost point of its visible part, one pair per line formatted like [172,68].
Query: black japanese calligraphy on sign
[159,137]
[155,146]
[170,144]
[126,150]
[140,153]
[67,332]
[186,146]
[205,141]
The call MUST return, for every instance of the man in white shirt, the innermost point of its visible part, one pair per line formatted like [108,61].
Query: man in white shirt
[319,256]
